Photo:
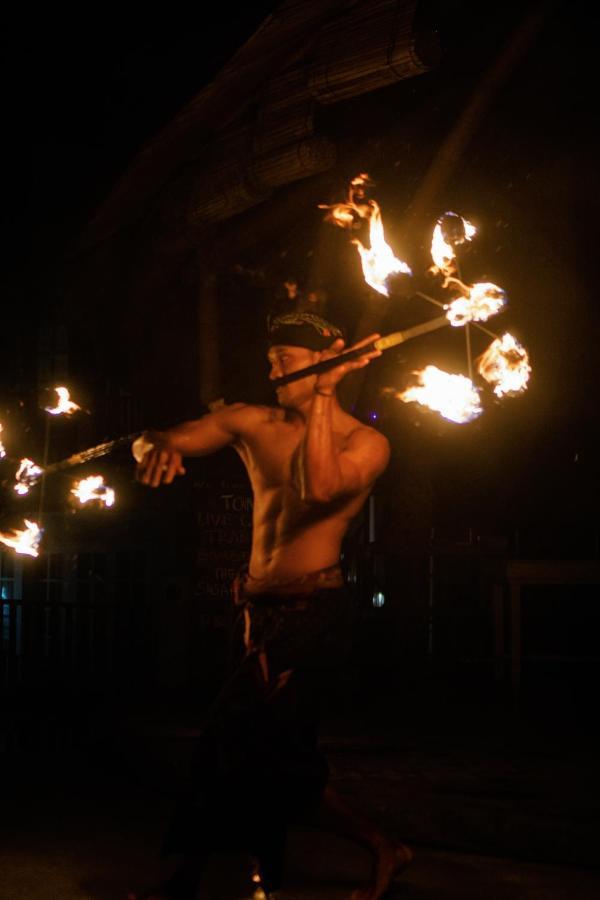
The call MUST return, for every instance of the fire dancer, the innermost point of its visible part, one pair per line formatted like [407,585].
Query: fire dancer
[311,466]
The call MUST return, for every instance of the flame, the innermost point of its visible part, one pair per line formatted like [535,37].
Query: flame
[64,404]
[442,250]
[93,488]
[454,396]
[378,261]
[482,301]
[356,207]
[26,540]
[2,450]
[505,364]
[27,475]
[342,214]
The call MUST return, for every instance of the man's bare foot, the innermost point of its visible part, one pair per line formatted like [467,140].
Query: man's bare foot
[390,861]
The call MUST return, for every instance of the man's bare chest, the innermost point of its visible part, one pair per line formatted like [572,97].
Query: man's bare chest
[271,455]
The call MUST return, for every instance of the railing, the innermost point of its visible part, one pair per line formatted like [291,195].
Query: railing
[77,645]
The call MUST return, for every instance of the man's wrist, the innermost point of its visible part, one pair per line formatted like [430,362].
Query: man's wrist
[323,393]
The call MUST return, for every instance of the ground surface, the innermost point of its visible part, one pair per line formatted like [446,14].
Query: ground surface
[489,817]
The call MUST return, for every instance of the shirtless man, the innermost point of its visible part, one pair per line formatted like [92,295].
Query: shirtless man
[311,466]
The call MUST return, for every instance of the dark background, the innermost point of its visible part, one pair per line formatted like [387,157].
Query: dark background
[79,103]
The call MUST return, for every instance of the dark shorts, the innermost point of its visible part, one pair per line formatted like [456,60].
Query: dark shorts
[258,766]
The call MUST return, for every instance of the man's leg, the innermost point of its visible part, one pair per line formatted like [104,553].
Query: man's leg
[390,857]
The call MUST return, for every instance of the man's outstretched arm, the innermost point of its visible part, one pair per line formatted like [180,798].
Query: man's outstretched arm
[162,463]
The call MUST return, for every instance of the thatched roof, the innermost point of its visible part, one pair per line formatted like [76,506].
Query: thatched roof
[251,129]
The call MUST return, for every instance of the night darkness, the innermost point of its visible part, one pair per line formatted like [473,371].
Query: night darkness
[114,641]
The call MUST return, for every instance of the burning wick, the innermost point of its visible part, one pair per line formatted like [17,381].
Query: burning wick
[2,450]
[64,406]
[481,301]
[450,231]
[28,474]
[378,260]
[505,364]
[453,396]
[93,488]
[356,207]
[26,540]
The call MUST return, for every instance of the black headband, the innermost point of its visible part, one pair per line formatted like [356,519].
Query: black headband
[302,330]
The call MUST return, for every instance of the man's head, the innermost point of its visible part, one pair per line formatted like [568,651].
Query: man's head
[296,341]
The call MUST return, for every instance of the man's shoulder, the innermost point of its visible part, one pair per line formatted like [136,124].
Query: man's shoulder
[250,415]
[368,444]
[357,430]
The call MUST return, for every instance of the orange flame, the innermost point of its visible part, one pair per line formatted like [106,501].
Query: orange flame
[26,540]
[505,364]
[64,405]
[356,207]
[442,251]
[481,301]
[342,214]
[26,476]
[2,449]
[378,261]
[93,488]
[453,396]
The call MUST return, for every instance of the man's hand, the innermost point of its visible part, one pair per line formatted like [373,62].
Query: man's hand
[159,465]
[326,383]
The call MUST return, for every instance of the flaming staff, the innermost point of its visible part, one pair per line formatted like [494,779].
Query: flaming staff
[382,343]
[2,448]
[84,456]
[480,306]
[505,364]
[31,472]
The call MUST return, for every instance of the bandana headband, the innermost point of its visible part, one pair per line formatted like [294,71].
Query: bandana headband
[302,330]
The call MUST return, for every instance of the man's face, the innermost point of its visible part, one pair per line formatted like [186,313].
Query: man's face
[285,359]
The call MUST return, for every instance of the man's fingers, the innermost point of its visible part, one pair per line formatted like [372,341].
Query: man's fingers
[144,469]
[160,466]
[367,340]
[334,349]
[173,468]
